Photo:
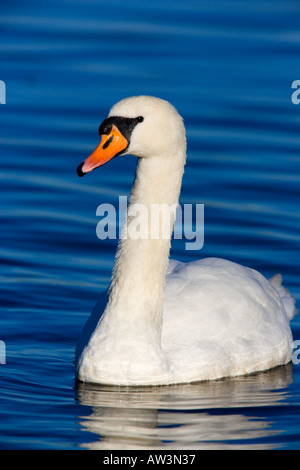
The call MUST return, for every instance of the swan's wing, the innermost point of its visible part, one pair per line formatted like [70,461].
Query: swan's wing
[287,299]
[223,319]
[91,324]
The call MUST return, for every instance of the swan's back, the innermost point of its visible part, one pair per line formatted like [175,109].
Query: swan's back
[223,319]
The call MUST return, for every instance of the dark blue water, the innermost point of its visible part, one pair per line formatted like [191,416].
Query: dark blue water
[228,67]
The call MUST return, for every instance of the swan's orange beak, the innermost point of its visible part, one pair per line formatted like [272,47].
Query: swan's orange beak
[111,145]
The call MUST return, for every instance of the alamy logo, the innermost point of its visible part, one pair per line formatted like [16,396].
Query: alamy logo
[296,353]
[296,94]
[2,92]
[2,353]
[152,222]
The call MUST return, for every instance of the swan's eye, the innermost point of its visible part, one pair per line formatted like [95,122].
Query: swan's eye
[104,129]
[123,124]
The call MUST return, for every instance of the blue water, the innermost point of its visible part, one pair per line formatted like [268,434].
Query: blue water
[228,67]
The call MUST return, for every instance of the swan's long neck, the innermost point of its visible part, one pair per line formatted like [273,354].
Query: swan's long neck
[137,287]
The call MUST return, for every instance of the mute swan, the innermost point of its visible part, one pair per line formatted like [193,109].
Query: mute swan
[211,318]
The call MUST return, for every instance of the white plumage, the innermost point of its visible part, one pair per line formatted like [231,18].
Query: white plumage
[165,322]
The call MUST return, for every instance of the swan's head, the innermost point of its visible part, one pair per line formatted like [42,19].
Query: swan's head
[143,126]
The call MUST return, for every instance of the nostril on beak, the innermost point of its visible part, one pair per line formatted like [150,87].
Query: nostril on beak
[109,141]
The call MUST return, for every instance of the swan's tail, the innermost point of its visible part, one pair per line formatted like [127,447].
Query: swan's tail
[287,299]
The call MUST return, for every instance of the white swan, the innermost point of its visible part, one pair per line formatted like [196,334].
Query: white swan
[211,318]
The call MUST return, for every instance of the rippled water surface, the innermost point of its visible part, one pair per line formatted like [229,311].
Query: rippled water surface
[228,67]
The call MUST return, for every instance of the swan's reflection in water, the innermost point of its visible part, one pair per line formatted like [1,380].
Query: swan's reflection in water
[221,414]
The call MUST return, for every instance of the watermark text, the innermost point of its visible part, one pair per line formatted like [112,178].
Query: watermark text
[154,222]
[296,94]
[2,92]
[2,352]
